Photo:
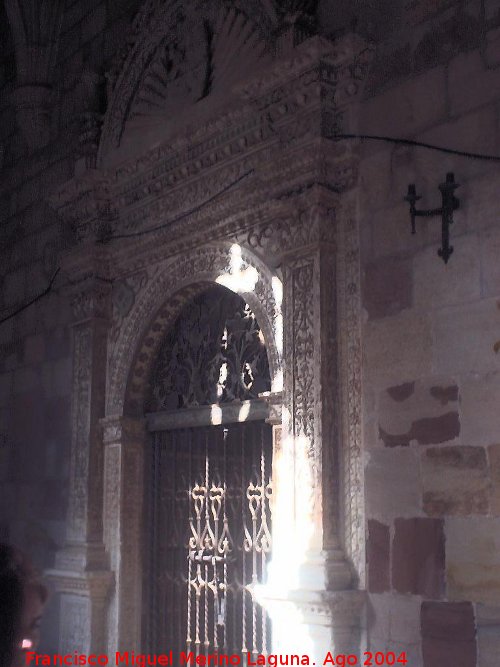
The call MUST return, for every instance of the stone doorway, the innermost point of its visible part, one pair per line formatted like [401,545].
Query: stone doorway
[208,482]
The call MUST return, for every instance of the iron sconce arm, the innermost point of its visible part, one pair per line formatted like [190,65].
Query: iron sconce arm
[450,203]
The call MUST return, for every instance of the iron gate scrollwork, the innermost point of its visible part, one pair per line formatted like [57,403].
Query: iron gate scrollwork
[210,486]
[210,539]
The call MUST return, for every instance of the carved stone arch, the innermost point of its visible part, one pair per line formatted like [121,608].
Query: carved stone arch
[129,367]
[164,296]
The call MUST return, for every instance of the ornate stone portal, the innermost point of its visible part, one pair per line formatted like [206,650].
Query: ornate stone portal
[256,195]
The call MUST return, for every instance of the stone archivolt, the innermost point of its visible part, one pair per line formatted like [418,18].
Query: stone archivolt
[265,174]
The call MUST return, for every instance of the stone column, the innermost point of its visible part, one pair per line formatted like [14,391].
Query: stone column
[124,440]
[81,572]
[308,593]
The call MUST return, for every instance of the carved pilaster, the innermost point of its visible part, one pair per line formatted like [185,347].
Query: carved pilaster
[123,512]
[310,577]
[81,572]
[35,26]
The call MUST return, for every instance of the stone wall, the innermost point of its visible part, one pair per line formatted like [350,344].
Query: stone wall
[431,333]
[35,346]
[431,362]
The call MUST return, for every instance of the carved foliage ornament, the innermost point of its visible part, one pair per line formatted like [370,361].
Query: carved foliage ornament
[213,354]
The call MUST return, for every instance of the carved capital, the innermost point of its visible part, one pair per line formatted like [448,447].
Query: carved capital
[306,219]
[85,205]
[89,286]
[35,25]
[92,300]
[123,430]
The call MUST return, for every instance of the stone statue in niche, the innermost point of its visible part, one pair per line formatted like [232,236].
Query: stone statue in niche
[214,353]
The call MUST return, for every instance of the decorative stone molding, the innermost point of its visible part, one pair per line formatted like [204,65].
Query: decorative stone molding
[130,361]
[81,572]
[123,501]
[35,25]
[268,176]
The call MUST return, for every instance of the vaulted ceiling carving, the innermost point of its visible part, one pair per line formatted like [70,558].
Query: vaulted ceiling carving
[183,53]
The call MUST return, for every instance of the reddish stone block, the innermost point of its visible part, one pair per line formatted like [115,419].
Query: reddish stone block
[418,557]
[426,431]
[378,557]
[448,634]
[401,392]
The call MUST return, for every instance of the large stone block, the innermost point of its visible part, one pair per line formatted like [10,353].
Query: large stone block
[397,349]
[390,230]
[473,559]
[474,132]
[411,652]
[61,376]
[379,620]
[378,557]
[34,349]
[455,480]
[480,195]
[480,416]
[392,482]
[410,107]
[471,85]
[374,179]
[418,557]
[5,388]
[494,461]
[25,380]
[387,287]
[14,287]
[465,338]
[492,52]
[490,266]
[437,284]
[448,634]
[488,635]
[405,619]
[422,412]
[394,625]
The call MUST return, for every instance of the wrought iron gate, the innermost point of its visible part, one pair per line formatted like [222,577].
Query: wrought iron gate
[210,537]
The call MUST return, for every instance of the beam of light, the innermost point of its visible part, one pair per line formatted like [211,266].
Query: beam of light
[215,415]
[295,535]
[238,279]
[244,411]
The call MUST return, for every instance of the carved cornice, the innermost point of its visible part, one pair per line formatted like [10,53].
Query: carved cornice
[279,149]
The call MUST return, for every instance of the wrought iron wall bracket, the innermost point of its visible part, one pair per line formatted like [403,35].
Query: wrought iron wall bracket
[450,204]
